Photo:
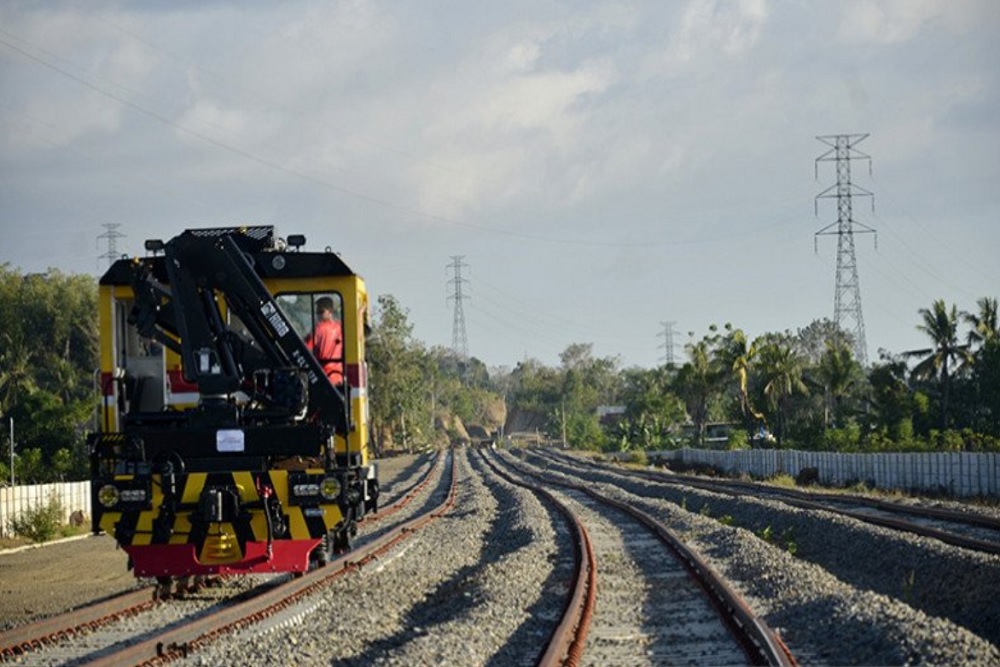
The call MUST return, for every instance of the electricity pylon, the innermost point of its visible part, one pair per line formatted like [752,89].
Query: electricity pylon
[459,339]
[847,301]
[112,236]
[668,343]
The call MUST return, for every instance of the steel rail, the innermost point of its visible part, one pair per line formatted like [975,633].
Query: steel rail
[405,499]
[565,646]
[181,641]
[29,637]
[32,636]
[807,500]
[761,644]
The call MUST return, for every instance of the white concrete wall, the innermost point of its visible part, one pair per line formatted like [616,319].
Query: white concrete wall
[16,500]
[958,473]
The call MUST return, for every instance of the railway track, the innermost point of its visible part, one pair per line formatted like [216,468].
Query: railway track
[116,631]
[965,529]
[567,643]
[922,573]
[656,602]
[494,582]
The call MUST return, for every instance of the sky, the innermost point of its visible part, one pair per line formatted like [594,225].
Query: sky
[606,171]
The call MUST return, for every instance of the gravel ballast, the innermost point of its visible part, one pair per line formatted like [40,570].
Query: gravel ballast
[485,583]
[473,588]
[824,618]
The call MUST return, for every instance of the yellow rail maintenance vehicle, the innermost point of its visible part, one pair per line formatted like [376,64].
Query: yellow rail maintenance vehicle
[226,445]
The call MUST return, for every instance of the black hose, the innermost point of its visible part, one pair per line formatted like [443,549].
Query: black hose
[270,525]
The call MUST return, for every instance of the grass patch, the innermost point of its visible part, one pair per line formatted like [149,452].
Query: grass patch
[782,479]
[14,542]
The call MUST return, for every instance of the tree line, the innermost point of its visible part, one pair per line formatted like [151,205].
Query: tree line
[801,389]
[48,356]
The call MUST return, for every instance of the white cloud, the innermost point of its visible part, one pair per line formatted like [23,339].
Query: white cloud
[689,121]
[507,123]
[896,21]
[711,27]
[542,100]
[78,66]
[522,57]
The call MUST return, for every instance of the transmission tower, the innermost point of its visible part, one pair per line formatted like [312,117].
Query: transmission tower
[668,343]
[459,340]
[112,235]
[847,301]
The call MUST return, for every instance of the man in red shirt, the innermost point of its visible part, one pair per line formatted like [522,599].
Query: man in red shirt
[327,341]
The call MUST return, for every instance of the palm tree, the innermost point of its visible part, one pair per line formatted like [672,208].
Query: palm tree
[984,344]
[941,326]
[984,325]
[16,376]
[696,382]
[735,355]
[837,372]
[781,367]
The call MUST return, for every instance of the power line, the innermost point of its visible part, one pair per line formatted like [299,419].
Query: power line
[847,299]
[161,117]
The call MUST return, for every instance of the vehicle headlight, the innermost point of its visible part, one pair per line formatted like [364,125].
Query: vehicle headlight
[305,489]
[108,496]
[329,488]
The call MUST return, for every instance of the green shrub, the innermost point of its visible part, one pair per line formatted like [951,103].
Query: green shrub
[738,440]
[41,523]
[844,439]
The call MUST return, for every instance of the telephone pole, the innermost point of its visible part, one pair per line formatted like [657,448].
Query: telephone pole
[847,300]
[111,235]
[459,340]
[668,343]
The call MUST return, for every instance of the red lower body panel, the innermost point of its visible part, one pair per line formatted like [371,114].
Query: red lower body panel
[178,560]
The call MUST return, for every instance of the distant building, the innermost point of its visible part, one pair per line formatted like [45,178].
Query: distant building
[610,415]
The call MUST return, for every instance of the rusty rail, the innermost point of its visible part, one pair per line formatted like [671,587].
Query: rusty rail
[182,641]
[761,644]
[565,647]
[815,501]
[32,636]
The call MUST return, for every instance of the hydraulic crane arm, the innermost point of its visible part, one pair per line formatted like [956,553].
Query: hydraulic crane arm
[201,269]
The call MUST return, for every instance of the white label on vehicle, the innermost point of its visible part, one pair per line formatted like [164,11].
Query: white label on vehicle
[274,317]
[229,441]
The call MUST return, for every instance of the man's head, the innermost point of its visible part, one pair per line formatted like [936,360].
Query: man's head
[324,306]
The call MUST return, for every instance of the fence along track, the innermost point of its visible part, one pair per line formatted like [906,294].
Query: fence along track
[758,641]
[32,636]
[16,500]
[958,473]
[972,531]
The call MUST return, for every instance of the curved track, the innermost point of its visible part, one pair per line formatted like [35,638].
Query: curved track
[965,529]
[658,602]
[568,639]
